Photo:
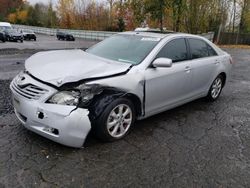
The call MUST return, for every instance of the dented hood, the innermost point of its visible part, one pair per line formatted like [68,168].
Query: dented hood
[65,66]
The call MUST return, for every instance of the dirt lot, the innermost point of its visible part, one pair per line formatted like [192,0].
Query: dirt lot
[199,144]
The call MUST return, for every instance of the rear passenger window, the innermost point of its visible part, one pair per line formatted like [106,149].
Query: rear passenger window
[211,51]
[175,50]
[199,48]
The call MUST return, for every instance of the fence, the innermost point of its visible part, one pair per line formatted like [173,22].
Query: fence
[234,38]
[86,34]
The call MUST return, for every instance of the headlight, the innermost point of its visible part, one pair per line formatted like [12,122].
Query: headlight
[83,94]
[70,98]
[88,92]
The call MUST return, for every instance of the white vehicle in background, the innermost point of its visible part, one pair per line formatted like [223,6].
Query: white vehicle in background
[5,25]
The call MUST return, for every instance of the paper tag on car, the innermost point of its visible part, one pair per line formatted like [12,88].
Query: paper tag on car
[151,39]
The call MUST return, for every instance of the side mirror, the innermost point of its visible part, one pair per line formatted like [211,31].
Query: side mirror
[162,62]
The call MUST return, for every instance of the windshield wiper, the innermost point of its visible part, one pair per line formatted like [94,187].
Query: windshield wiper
[126,61]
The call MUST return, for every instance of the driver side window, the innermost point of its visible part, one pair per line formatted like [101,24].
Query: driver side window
[175,50]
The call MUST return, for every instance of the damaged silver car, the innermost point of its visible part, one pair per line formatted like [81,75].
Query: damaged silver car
[64,94]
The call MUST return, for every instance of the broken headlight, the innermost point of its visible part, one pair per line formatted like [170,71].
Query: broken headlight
[82,94]
[70,98]
[88,92]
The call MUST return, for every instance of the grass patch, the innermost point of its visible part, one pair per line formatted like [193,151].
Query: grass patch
[235,46]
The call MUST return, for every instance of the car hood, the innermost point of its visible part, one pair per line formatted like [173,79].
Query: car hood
[66,66]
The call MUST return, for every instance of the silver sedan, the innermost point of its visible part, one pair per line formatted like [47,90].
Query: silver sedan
[62,95]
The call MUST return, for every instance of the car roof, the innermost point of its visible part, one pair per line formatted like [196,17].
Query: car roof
[5,24]
[159,35]
[145,34]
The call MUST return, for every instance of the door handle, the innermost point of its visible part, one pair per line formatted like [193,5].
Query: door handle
[216,62]
[187,69]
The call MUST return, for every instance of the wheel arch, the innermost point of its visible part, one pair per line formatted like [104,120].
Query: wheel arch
[100,102]
[137,103]
[224,76]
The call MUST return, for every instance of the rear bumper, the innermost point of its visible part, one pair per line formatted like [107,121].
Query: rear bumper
[15,38]
[29,37]
[66,125]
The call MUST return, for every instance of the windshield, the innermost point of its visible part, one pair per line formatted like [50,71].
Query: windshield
[125,48]
[12,31]
[4,27]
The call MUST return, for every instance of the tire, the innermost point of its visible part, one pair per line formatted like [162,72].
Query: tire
[108,127]
[215,89]
[21,41]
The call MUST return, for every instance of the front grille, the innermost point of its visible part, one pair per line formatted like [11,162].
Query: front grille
[29,91]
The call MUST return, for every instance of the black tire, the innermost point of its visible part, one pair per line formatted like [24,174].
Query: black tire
[21,41]
[212,96]
[100,129]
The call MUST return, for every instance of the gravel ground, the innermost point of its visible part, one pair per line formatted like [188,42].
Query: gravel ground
[199,144]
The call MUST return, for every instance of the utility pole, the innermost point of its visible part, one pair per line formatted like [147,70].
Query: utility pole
[234,15]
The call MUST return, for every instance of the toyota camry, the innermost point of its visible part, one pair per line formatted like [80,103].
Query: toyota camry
[64,94]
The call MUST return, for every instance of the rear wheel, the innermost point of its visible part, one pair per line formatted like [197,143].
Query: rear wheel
[215,89]
[116,120]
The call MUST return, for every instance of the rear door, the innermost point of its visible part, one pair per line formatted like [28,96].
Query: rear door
[204,61]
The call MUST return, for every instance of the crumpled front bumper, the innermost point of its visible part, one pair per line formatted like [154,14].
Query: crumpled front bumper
[63,124]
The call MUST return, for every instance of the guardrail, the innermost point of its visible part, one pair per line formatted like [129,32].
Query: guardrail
[85,34]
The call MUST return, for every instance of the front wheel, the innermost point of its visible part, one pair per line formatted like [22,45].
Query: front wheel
[215,89]
[116,120]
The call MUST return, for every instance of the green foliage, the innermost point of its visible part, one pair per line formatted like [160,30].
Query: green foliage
[121,24]
[156,9]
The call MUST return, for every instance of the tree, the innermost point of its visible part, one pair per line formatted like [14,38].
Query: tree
[66,13]
[178,7]
[244,25]
[121,25]
[9,6]
[156,9]
[51,16]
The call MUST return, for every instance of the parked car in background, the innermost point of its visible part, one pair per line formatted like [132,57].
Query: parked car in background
[64,36]
[5,25]
[13,35]
[2,36]
[28,34]
[130,76]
